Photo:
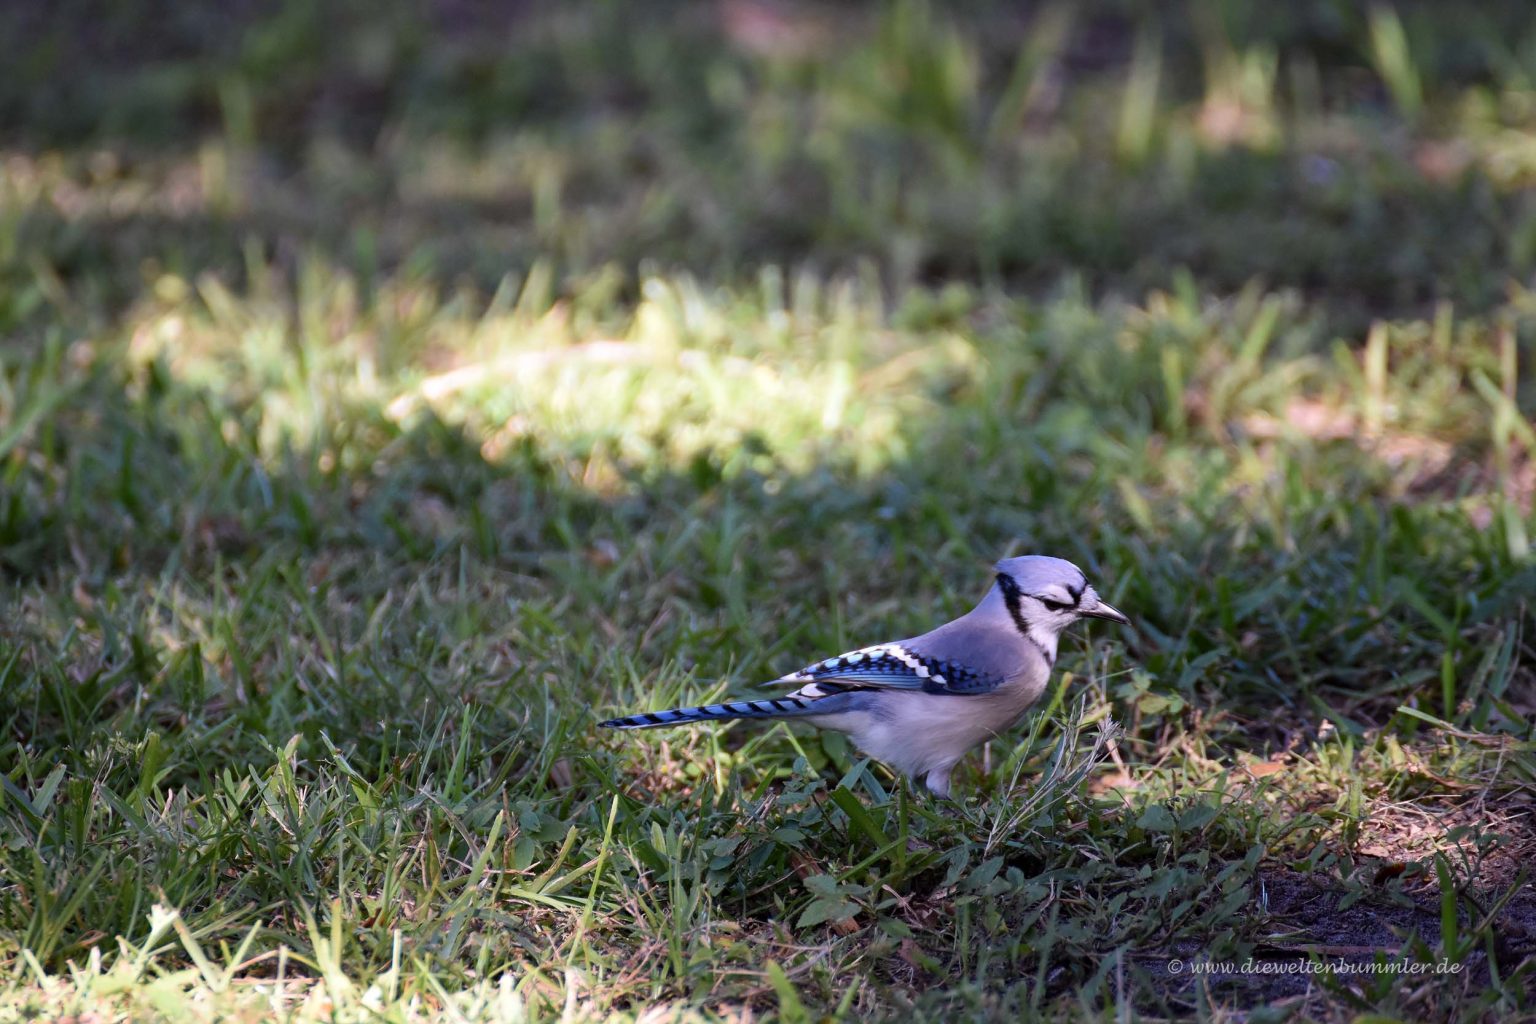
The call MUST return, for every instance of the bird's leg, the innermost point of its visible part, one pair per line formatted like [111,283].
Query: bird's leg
[938,782]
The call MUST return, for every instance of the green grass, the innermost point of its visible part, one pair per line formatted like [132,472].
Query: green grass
[377,417]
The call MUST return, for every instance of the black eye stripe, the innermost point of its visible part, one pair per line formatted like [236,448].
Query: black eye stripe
[1055,606]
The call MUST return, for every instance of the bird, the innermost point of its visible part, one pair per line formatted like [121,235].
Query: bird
[919,705]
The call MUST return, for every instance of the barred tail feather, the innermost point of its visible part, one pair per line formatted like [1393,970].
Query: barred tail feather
[779,707]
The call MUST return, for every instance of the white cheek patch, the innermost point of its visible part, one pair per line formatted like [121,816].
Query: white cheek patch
[1046,640]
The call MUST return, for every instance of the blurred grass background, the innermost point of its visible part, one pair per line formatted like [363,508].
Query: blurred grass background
[389,390]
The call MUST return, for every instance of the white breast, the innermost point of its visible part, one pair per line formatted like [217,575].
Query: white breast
[916,733]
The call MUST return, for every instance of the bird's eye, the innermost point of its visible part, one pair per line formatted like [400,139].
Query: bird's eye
[1055,606]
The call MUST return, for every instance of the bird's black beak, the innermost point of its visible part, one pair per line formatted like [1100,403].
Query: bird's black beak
[1104,610]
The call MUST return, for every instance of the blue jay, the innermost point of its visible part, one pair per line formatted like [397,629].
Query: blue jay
[919,705]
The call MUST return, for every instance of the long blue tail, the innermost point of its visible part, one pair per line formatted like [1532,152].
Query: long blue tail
[778,707]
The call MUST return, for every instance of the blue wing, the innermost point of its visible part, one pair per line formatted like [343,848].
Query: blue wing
[890,667]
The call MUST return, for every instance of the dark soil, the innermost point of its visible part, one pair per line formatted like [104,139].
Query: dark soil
[1312,925]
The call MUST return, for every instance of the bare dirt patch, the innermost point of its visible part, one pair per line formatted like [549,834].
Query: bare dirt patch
[1316,921]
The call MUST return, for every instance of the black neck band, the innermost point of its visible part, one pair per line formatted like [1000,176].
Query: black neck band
[1013,597]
